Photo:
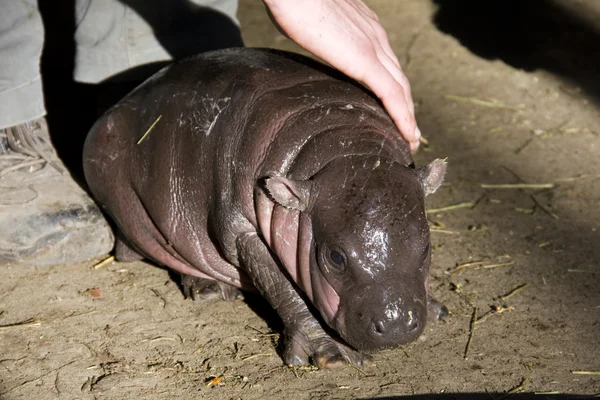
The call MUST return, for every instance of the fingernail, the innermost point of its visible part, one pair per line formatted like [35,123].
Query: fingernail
[417,133]
[414,146]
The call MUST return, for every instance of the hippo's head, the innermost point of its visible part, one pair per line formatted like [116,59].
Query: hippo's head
[364,248]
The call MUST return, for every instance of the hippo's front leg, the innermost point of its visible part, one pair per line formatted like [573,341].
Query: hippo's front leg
[305,339]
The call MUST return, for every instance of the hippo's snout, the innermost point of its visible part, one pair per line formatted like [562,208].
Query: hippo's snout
[382,327]
[378,319]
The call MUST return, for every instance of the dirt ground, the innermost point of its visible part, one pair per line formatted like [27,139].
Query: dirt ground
[508,96]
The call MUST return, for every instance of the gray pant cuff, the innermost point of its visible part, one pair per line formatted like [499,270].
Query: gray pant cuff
[22,104]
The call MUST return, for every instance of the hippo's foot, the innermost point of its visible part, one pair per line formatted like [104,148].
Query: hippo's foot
[436,311]
[319,349]
[125,253]
[202,290]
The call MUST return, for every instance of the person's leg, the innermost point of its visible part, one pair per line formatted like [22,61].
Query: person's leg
[45,218]
[128,40]
[21,41]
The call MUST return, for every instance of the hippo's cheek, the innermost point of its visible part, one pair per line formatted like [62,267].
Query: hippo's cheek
[325,297]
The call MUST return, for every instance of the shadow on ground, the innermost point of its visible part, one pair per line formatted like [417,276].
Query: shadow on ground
[486,395]
[527,35]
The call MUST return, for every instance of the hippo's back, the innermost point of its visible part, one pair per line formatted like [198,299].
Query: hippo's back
[176,161]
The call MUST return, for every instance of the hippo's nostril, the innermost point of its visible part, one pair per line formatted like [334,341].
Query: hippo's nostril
[378,327]
[413,326]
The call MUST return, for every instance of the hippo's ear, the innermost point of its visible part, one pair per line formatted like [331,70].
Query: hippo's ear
[432,175]
[288,192]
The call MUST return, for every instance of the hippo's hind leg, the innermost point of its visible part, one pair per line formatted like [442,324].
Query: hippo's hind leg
[202,289]
[124,252]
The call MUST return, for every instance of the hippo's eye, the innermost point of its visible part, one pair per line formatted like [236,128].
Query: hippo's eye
[336,257]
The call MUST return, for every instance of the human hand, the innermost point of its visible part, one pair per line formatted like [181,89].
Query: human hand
[348,35]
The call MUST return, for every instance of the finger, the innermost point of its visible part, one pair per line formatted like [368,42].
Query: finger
[395,69]
[384,42]
[391,94]
[274,22]
[402,80]
[414,145]
[362,8]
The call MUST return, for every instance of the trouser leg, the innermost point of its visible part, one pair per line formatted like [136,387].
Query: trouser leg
[114,36]
[21,41]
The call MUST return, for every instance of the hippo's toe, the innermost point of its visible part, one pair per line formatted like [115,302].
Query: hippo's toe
[333,354]
[321,350]
[202,290]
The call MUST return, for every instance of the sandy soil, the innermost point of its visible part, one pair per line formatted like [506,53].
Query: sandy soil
[519,107]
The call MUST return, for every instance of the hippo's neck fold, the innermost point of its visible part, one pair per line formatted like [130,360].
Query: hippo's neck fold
[313,135]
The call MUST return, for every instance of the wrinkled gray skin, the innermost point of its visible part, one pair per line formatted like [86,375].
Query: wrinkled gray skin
[267,171]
